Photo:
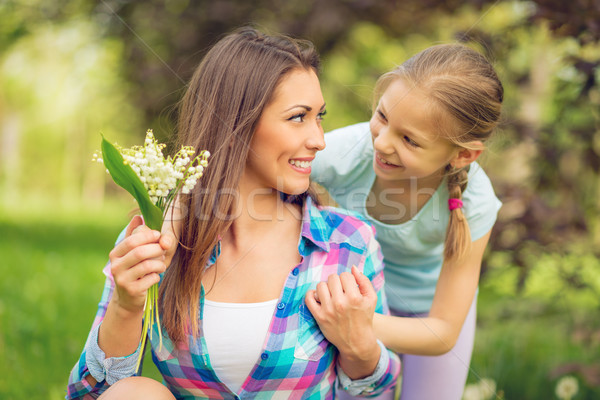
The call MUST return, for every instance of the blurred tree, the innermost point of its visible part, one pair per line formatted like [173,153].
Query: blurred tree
[547,161]
[60,86]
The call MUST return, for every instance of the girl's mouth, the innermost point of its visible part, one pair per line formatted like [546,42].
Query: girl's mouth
[383,163]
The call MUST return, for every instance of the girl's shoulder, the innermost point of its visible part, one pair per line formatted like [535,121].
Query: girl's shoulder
[347,156]
[350,140]
[479,185]
[481,205]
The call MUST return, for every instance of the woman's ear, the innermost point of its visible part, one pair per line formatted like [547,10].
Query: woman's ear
[466,156]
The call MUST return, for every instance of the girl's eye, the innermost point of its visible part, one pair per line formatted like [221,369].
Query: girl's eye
[297,117]
[321,115]
[381,115]
[410,142]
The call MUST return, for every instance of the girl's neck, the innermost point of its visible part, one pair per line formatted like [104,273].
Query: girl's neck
[396,202]
[411,184]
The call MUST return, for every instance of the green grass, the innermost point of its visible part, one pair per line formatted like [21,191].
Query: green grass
[52,281]
[50,287]
[523,344]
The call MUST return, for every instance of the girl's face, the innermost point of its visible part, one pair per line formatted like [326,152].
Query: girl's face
[405,139]
[288,135]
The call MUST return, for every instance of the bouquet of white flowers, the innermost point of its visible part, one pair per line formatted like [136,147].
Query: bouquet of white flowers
[154,181]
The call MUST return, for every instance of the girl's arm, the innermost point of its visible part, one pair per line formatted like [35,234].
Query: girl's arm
[344,307]
[344,311]
[437,334]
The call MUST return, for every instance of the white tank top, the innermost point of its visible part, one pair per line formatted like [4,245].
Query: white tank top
[235,334]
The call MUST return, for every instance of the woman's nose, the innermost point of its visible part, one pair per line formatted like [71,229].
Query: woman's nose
[316,139]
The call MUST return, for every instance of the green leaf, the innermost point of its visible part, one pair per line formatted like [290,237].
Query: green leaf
[125,177]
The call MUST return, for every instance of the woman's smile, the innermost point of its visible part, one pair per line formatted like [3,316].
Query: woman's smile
[301,165]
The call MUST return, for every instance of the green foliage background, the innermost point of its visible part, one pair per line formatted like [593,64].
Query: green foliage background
[70,70]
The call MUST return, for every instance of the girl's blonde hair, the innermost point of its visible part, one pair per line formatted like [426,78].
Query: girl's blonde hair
[461,83]
[220,110]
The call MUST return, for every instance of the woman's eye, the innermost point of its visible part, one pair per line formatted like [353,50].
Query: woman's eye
[297,117]
[410,141]
[321,115]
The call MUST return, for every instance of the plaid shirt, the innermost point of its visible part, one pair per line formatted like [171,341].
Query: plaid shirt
[296,361]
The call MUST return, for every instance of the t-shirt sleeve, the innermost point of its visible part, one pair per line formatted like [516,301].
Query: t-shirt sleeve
[344,152]
[480,202]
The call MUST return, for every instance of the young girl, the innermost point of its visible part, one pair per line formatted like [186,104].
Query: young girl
[253,242]
[411,172]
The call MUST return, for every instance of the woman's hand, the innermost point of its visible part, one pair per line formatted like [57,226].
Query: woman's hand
[136,263]
[344,309]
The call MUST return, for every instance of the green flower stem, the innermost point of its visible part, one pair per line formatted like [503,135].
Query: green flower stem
[153,208]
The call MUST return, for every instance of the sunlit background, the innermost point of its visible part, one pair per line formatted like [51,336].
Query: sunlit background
[73,70]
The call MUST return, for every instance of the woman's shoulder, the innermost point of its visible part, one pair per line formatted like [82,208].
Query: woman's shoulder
[342,226]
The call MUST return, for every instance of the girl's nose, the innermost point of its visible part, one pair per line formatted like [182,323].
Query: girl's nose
[382,141]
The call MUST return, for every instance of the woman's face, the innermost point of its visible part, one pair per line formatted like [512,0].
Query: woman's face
[405,136]
[287,136]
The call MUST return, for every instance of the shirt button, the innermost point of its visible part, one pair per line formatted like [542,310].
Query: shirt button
[280,306]
[295,271]
[264,356]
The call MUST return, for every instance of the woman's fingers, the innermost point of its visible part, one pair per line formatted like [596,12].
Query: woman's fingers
[141,285]
[141,269]
[143,251]
[169,243]
[135,222]
[145,236]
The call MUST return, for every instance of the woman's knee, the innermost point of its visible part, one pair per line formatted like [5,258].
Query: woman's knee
[137,388]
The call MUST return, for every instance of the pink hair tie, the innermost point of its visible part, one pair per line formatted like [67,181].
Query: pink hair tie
[453,204]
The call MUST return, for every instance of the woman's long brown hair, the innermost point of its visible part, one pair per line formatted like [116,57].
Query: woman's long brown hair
[219,112]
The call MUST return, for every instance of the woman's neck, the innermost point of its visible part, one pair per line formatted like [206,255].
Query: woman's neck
[262,241]
[262,212]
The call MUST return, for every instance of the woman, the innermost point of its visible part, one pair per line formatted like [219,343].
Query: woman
[253,243]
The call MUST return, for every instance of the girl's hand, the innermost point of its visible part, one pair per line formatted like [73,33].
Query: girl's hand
[136,263]
[344,309]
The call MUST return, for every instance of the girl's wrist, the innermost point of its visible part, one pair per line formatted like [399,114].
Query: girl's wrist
[364,352]
[361,362]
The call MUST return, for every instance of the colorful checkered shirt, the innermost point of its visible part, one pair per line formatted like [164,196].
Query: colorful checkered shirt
[296,361]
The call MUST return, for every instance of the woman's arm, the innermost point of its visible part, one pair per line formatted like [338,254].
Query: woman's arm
[135,264]
[437,333]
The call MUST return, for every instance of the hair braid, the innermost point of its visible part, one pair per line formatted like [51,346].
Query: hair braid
[458,234]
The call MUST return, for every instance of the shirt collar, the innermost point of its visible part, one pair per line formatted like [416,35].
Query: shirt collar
[315,230]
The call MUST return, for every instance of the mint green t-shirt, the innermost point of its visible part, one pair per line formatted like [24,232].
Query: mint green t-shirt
[413,250]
